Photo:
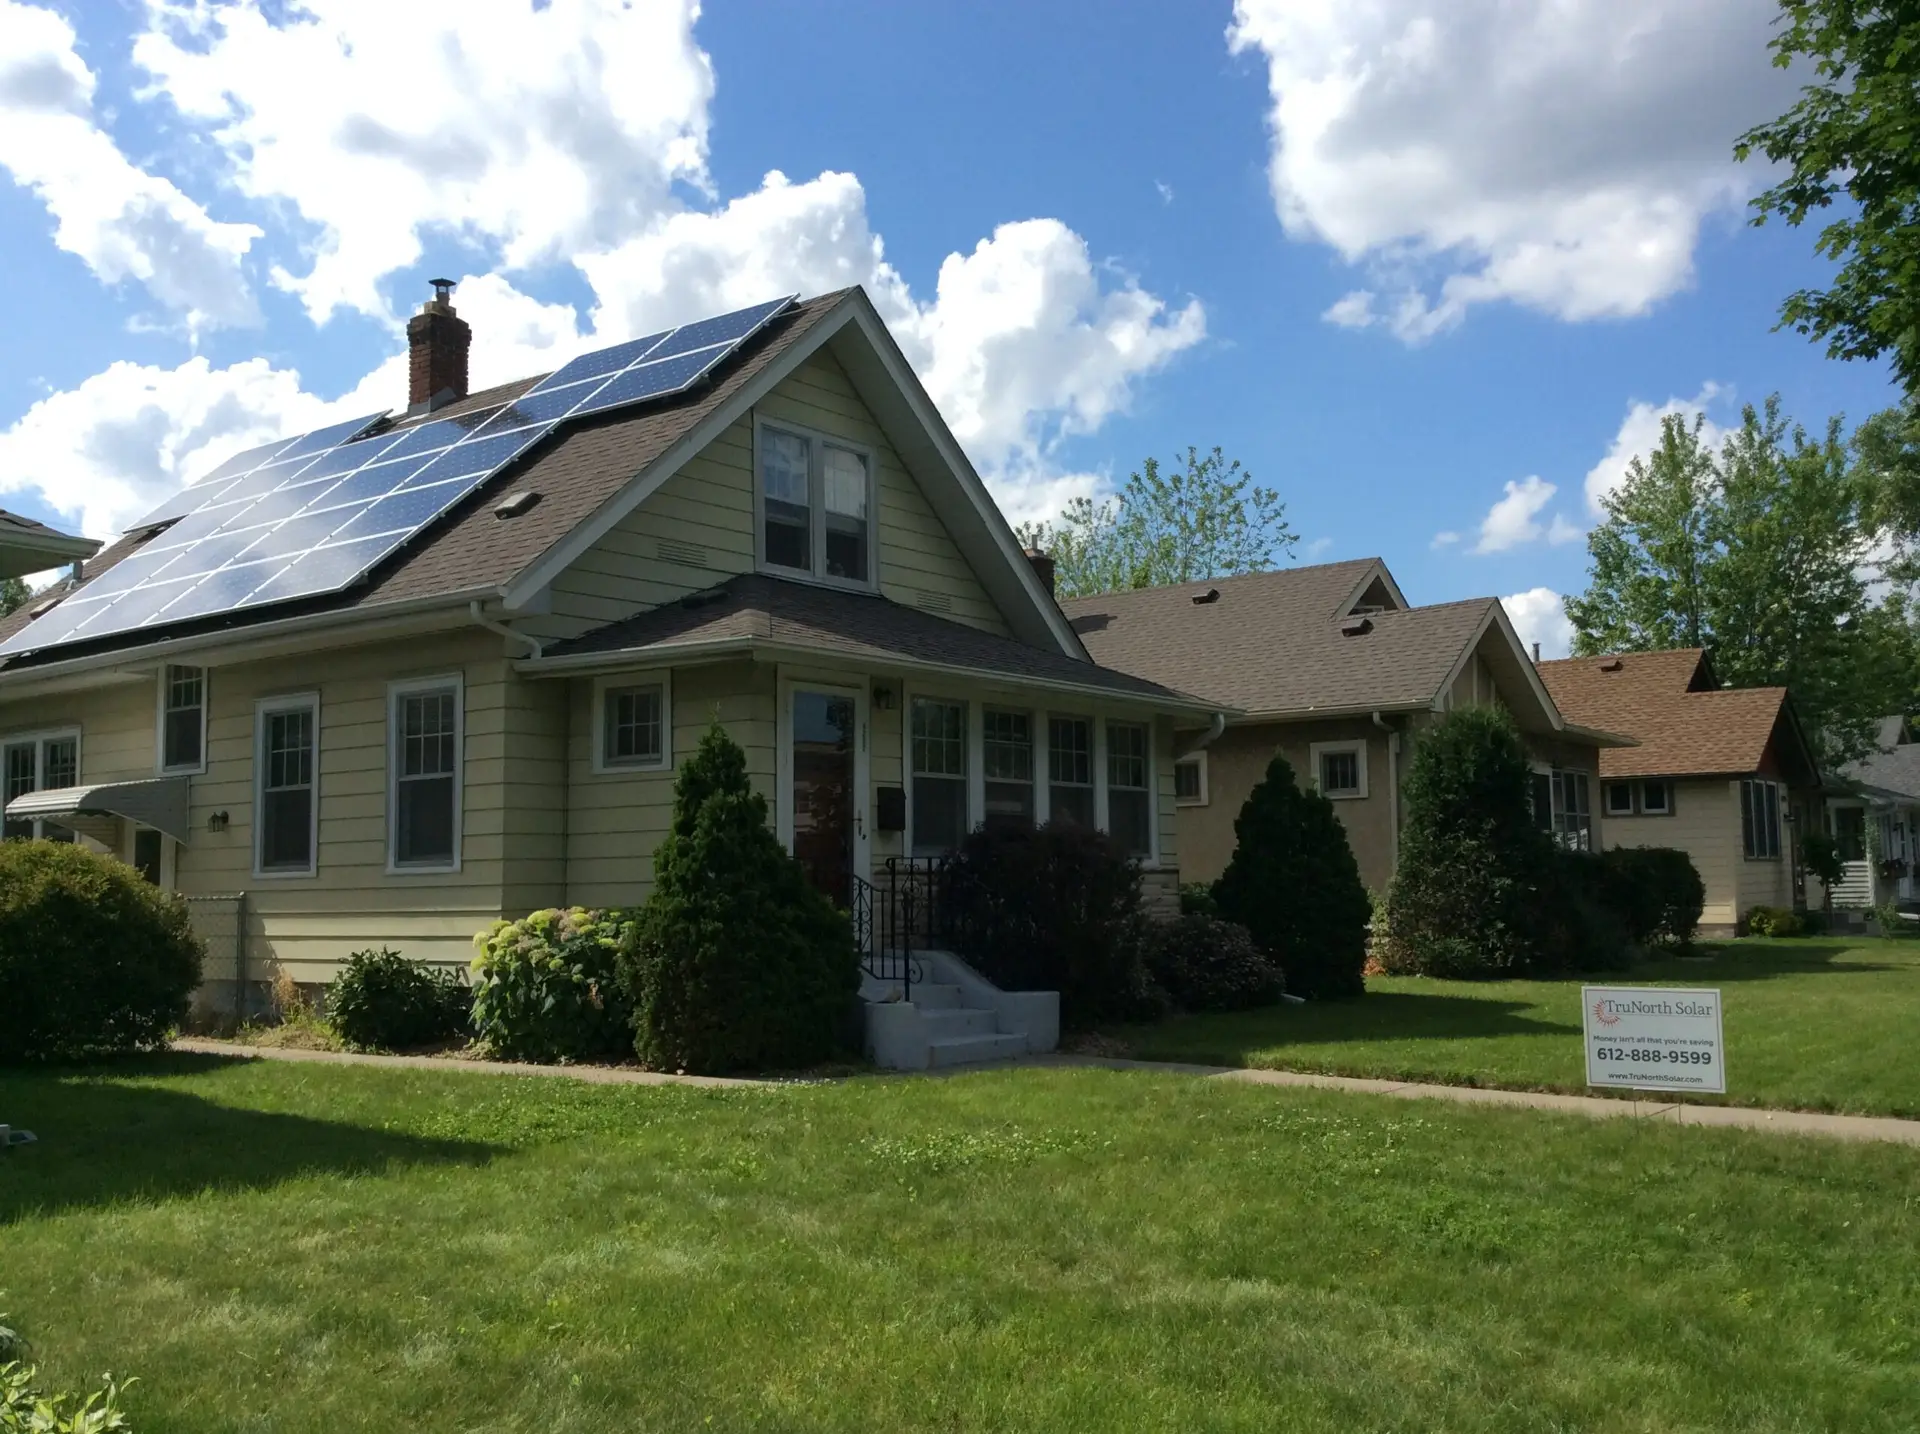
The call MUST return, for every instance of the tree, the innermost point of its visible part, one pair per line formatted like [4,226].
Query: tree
[1206,520]
[1294,884]
[1851,134]
[14,593]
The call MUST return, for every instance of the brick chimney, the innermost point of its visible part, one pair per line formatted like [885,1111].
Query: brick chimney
[1042,567]
[437,342]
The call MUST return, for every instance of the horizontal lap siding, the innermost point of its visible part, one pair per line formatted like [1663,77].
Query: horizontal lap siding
[1706,825]
[535,796]
[116,725]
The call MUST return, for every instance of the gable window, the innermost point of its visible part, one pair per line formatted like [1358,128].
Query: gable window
[1656,799]
[1760,822]
[1190,780]
[183,719]
[816,506]
[39,762]
[1129,787]
[634,732]
[1340,769]
[1070,770]
[1619,799]
[939,761]
[424,721]
[286,805]
[1006,759]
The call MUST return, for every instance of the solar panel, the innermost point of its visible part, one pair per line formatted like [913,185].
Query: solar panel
[312,514]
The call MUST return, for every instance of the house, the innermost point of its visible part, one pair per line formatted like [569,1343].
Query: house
[393,730]
[1726,775]
[28,547]
[1331,667]
[1873,814]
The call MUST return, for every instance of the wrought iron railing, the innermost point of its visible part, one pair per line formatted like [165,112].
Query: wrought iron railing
[897,920]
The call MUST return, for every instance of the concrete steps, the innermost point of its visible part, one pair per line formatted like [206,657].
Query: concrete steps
[951,1016]
[965,1050]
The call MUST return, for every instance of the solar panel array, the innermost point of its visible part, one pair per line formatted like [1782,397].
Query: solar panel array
[313,514]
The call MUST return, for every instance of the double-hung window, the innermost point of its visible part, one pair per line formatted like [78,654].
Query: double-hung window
[1070,770]
[939,764]
[634,732]
[183,719]
[424,727]
[286,785]
[38,762]
[1129,787]
[816,506]
[1760,820]
[1006,759]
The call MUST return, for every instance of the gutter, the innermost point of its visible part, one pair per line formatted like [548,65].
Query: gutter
[1207,738]
[495,625]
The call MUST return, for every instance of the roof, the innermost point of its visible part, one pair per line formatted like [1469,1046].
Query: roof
[1273,642]
[159,802]
[29,546]
[1684,726]
[757,611]
[1893,767]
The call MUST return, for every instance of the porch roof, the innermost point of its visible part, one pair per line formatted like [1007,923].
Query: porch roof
[757,613]
[158,802]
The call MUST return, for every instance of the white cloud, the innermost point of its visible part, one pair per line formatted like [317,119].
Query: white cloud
[1446,539]
[1561,154]
[1165,191]
[1639,434]
[1515,518]
[1319,547]
[1564,530]
[1539,615]
[122,222]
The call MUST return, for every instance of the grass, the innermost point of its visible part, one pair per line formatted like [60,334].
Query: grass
[1811,1024]
[274,1247]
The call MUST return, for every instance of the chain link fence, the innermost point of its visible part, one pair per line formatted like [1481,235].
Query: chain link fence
[230,988]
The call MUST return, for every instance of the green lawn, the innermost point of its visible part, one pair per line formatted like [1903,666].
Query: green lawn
[283,1248]
[1811,1024]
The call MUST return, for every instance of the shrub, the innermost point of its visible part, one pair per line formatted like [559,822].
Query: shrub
[1054,908]
[381,1001]
[1475,880]
[1656,891]
[1580,926]
[546,987]
[1205,964]
[1294,884]
[1196,899]
[736,961]
[93,959]
[25,1409]
[1820,854]
[1774,921]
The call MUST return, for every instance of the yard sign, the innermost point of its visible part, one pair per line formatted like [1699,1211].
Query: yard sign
[1654,1038]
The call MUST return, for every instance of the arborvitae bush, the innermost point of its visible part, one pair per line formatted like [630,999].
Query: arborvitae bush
[381,1001]
[1657,891]
[1293,883]
[735,962]
[93,959]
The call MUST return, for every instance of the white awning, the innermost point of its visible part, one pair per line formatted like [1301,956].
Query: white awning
[160,803]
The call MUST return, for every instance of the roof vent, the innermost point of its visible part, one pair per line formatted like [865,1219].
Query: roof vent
[1210,595]
[1612,664]
[515,504]
[1356,626]
[45,605]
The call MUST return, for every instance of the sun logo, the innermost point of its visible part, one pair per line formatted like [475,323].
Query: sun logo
[1603,1015]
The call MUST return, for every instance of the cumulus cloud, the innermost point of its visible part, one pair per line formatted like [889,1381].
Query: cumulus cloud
[1539,615]
[1639,435]
[1515,518]
[1446,539]
[1557,155]
[122,222]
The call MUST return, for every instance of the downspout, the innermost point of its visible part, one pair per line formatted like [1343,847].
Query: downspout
[1393,787]
[494,625]
[1214,729]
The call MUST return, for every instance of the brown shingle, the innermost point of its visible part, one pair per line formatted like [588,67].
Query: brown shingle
[1684,727]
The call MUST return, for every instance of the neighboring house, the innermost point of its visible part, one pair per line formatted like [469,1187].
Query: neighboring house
[1873,812]
[1332,668]
[1725,774]
[28,547]
[486,720]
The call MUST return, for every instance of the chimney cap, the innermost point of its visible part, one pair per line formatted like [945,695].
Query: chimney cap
[442,289]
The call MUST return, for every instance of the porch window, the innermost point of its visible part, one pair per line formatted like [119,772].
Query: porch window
[1760,823]
[36,763]
[1129,787]
[1541,791]
[1006,756]
[1619,799]
[633,725]
[425,761]
[1190,780]
[286,811]
[1070,770]
[1572,817]
[816,500]
[183,719]
[939,760]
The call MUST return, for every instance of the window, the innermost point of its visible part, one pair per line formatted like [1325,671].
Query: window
[1656,799]
[939,775]
[183,719]
[1849,827]
[1070,770]
[146,854]
[1541,790]
[633,726]
[816,499]
[1619,799]
[1760,823]
[286,809]
[1190,780]
[424,722]
[1340,769]
[1006,759]
[39,762]
[1129,787]
[1572,818]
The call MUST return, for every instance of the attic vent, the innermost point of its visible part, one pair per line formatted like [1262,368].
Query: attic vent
[1210,595]
[515,504]
[1612,664]
[935,602]
[1365,607]
[686,554]
[1356,626]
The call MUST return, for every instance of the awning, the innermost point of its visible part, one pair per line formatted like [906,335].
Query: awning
[160,803]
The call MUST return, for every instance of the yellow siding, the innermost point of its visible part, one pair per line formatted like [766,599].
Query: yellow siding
[1706,825]
[116,726]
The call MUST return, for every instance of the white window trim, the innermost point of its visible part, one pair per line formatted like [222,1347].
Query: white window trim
[816,507]
[395,691]
[160,766]
[1095,749]
[976,787]
[40,736]
[288,702]
[1640,797]
[1631,786]
[1779,820]
[1358,747]
[169,860]
[1205,797]
[1103,785]
[660,677]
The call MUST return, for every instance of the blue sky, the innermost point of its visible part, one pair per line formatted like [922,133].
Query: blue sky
[1414,262]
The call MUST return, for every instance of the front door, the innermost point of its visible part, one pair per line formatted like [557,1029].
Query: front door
[825,785]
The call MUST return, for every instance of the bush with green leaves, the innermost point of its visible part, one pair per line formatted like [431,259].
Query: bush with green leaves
[1293,883]
[94,960]
[1656,891]
[1774,921]
[1054,908]
[1820,854]
[381,1001]
[1580,926]
[735,962]
[1196,899]
[547,988]
[26,1409]
[1205,964]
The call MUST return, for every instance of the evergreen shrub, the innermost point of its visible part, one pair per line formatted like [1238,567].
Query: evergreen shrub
[1293,883]
[381,1001]
[735,962]
[1657,892]
[547,988]
[1205,964]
